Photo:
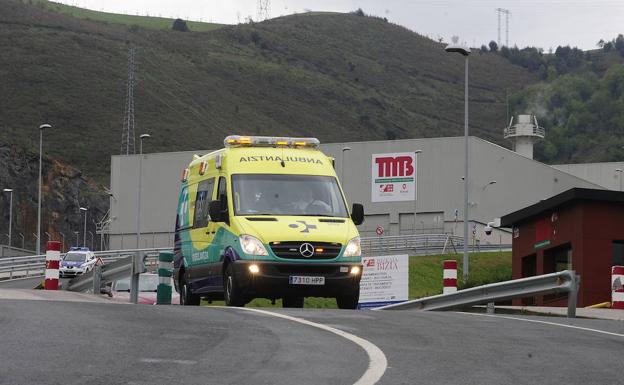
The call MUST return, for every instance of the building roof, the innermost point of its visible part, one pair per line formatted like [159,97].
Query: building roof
[566,197]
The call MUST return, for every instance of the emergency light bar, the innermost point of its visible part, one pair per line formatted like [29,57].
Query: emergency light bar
[269,141]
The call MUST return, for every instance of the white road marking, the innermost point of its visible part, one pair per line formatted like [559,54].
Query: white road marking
[548,323]
[167,361]
[377,362]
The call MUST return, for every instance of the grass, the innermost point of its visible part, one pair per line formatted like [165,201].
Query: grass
[425,277]
[149,22]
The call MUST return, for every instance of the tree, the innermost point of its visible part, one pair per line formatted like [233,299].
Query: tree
[493,46]
[180,25]
[484,48]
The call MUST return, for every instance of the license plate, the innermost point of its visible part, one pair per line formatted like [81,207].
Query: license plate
[305,280]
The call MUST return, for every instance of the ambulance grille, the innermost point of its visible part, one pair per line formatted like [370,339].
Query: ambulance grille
[292,250]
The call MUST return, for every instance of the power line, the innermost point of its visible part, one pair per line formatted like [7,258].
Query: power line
[127,132]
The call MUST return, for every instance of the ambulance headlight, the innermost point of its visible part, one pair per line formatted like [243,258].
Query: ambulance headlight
[252,245]
[353,248]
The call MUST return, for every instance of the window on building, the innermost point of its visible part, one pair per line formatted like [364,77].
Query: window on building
[618,253]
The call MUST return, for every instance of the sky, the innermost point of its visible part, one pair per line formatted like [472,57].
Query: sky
[539,23]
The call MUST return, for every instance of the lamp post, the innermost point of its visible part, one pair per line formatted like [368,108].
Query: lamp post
[416,152]
[620,171]
[134,282]
[464,51]
[10,191]
[84,239]
[41,128]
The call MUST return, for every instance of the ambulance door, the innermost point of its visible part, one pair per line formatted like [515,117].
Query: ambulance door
[202,236]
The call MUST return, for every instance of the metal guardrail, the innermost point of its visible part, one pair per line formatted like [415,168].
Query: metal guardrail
[20,267]
[422,244]
[562,282]
[109,272]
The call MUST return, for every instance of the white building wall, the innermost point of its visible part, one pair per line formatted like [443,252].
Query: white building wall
[602,174]
[519,182]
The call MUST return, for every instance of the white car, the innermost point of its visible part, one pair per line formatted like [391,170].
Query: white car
[78,260]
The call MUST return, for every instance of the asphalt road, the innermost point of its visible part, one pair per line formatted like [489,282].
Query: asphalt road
[28,283]
[100,343]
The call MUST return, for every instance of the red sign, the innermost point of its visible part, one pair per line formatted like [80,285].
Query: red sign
[379,230]
[395,166]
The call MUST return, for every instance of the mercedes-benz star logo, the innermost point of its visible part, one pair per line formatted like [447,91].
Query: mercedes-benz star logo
[306,249]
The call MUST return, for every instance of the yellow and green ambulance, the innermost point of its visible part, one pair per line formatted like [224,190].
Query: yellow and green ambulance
[265,217]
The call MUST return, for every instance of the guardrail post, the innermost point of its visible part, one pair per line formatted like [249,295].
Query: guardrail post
[617,287]
[53,260]
[97,279]
[572,294]
[165,271]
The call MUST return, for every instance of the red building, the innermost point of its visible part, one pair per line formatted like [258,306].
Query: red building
[579,229]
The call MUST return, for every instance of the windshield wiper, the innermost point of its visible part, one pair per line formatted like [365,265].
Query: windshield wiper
[319,215]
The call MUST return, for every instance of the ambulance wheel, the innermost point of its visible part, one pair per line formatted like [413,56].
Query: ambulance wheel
[296,302]
[349,301]
[186,297]
[232,294]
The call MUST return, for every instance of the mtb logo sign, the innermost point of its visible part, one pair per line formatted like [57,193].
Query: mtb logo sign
[393,177]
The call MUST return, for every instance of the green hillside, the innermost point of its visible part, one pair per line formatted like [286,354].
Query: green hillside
[334,76]
[149,22]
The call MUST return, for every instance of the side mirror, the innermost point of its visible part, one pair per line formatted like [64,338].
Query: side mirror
[357,214]
[214,210]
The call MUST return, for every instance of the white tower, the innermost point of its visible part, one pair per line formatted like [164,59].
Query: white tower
[524,133]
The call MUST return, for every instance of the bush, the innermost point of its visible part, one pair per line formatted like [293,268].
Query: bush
[180,25]
[359,12]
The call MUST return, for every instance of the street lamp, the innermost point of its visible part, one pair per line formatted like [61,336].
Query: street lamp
[84,239]
[41,128]
[488,184]
[464,51]
[10,191]
[134,282]
[620,171]
[342,160]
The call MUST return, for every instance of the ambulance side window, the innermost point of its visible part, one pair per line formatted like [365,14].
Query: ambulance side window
[204,195]
[184,219]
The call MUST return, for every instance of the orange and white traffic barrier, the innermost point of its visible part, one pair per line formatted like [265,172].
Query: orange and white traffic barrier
[53,260]
[449,277]
[617,287]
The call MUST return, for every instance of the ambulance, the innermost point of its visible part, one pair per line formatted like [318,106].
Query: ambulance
[265,217]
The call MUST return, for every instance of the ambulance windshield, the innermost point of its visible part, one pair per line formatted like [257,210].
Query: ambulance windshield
[301,195]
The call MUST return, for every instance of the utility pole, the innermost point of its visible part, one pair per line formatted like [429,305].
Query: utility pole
[264,10]
[127,133]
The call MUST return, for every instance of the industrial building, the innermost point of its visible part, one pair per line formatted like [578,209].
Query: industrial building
[429,200]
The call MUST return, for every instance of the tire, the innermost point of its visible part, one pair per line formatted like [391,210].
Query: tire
[349,301]
[232,294]
[186,297]
[293,302]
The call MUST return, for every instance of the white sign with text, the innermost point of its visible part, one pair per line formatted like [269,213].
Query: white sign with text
[393,177]
[385,280]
